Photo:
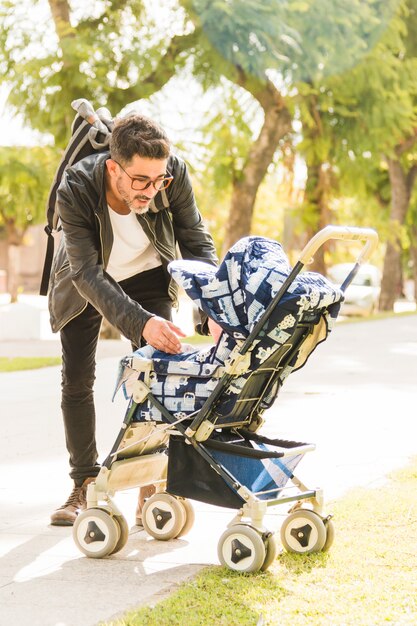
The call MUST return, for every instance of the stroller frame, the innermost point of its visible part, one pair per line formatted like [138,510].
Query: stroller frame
[138,456]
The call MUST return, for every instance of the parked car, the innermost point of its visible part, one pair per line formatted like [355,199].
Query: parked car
[362,295]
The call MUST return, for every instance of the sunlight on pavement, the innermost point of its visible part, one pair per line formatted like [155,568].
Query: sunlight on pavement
[48,561]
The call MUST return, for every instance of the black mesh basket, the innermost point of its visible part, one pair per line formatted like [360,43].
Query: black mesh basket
[254,462]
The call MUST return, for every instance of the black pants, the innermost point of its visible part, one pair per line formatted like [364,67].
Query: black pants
[79,343]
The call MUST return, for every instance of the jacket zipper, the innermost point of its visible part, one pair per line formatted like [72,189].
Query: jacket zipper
[101,238]
[73,316]
[159,247]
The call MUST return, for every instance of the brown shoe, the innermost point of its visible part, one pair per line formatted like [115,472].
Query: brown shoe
[67,513]
[144,494]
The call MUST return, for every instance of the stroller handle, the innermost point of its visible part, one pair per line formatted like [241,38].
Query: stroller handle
[345,233]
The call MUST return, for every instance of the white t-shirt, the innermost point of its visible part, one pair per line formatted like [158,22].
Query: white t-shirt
[132,252]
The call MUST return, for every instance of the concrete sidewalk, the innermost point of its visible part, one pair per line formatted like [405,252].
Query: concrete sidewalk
[345,400]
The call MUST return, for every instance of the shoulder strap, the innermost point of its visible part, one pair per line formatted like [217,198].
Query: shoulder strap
[164,197]
[78,141]
[165,202]
[90,132]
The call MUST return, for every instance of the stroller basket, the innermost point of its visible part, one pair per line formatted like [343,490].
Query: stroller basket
[262,465]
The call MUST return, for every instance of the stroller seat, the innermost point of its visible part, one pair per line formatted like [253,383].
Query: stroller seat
[236,295]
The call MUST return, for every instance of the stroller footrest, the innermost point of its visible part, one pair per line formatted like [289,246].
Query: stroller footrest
[136,472]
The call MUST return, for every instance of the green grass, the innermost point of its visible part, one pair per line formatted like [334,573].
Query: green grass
[368,578]
[15,364]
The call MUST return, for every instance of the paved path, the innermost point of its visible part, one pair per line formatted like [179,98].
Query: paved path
[355,399]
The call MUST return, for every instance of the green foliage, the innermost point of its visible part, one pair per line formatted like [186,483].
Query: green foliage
[228,137]
[250,35]
[383,90]
[335,36]
[104,51]
[347,70]
[25,176]
[351,120]
[307,40]
[368,108]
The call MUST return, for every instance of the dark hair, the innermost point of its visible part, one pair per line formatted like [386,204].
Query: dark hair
[138,135]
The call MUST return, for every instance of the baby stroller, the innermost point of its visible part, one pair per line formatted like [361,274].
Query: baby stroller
[193,420]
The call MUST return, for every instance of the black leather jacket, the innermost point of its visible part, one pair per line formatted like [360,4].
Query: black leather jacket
[79,268]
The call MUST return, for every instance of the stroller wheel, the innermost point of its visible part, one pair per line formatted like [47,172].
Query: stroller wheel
[124,533]
[96,533]
[241,548]
[163,516]
[189,515]
[272,549]
[303,532]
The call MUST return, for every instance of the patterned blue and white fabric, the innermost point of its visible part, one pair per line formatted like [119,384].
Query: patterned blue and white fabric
[235,295]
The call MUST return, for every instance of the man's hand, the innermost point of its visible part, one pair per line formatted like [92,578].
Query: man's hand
[163,335]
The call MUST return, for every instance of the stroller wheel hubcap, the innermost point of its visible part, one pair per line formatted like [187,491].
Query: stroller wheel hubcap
[163,516]
[303,532]
[241,548]
[96,533]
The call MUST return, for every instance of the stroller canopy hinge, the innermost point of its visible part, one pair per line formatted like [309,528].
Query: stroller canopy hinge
[140,391]
[238,364]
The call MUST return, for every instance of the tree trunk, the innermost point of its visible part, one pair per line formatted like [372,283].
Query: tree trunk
[60,11]
[318,185]
[316,199]
[277,124]
[401,186]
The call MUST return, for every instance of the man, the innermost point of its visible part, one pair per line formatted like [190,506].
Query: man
[118,238]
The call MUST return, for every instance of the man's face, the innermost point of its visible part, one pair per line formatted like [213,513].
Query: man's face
[139,173]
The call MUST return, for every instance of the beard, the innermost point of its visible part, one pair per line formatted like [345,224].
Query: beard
[131,202]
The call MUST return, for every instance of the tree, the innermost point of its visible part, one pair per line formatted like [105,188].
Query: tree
[289,56]
[23,191]
[112,53]
[98,52]
[118,52]
[385,89]
[326,99]
[114,56]
[402,166]
[239,41]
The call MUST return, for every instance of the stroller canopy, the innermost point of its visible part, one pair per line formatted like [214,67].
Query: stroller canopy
[237,292]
